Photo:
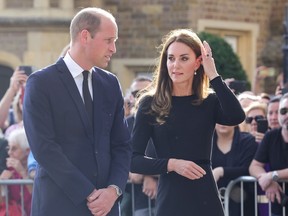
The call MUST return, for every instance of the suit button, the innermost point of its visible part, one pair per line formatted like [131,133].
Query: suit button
[95,174]
[96,152]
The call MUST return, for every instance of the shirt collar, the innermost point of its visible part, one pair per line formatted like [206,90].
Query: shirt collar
[73,67]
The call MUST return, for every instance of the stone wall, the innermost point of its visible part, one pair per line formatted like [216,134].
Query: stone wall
[37,35]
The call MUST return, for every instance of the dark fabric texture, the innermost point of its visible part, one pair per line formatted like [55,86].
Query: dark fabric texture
[186,134]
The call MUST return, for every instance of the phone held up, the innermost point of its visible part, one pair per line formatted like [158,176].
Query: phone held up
[26,68]
[262,125]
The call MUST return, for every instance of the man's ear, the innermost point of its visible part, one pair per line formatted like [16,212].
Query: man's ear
[84,34]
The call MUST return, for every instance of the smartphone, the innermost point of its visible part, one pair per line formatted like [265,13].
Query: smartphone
[26,68]
[238,86]
[262,125]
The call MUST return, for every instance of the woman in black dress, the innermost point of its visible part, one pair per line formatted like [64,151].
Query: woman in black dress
[179,113]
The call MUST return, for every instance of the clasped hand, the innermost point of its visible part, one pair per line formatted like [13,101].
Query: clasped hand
[101,201]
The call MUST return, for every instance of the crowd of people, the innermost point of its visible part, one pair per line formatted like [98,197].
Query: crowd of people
[175,141]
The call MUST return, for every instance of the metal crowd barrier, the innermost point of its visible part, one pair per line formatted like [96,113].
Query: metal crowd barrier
[242,180]
[4,186]
[23,182]
[133,200]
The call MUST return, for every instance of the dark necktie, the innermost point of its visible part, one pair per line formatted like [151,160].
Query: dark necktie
[86,95]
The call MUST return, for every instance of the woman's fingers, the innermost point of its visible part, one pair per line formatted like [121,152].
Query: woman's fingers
[190,170]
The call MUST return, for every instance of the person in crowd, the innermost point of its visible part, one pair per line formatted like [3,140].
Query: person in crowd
[246,98]
[179,113]
[17,81]
[17,112]
[145,186]
[273,150]
[232,154]
[272,112]
[18,150]
[127,106]
[74,119]
[264,98]
[254,112]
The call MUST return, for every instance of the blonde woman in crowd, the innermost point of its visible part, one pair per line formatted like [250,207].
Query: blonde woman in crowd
[254,112]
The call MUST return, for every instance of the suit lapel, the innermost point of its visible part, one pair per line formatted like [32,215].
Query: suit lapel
[98,101]
[70,84]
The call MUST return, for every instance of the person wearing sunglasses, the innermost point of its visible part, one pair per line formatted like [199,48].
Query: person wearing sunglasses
[254,112]
[138,84]
[273,150]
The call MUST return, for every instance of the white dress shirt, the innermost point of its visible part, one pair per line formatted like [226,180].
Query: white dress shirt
[76,72]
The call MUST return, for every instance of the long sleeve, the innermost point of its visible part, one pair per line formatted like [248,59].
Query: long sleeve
[231,112]
[142,132]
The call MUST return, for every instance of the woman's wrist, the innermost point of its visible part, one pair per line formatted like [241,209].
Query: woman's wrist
[170,165]
[213,77]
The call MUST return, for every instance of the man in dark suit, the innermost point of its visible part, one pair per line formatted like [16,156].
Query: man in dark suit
[83,153]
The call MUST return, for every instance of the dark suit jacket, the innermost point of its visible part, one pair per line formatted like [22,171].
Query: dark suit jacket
[73,158]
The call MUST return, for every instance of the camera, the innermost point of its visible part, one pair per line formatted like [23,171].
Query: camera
[26,68]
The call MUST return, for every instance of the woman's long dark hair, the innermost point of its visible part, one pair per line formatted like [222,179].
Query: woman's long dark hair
[161,88]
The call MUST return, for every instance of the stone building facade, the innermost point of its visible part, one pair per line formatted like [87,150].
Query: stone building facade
[33,32]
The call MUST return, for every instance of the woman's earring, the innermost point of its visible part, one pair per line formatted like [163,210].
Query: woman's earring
[195,73]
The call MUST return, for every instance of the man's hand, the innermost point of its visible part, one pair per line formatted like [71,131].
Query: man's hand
[264,180]
[17,80]
[101,201]
[273,191]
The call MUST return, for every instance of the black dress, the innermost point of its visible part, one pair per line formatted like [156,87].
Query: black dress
[186,134]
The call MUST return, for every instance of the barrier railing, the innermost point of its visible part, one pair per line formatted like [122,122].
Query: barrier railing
[4,191]
[133,201]
[242,180]
[23,182]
